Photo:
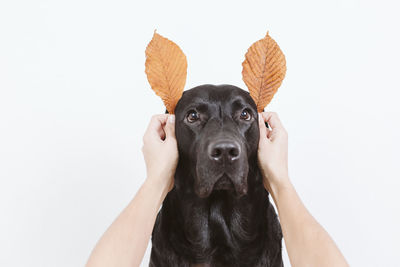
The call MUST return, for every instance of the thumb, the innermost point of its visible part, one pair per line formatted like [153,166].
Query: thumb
[261,125]
[170,127]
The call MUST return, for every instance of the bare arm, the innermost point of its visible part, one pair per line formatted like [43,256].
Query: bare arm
[125,241]
[307,243]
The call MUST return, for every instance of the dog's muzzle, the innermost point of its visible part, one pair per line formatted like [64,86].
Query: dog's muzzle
[222,166]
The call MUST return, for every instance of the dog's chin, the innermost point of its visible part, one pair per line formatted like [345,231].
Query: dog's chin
[223,184]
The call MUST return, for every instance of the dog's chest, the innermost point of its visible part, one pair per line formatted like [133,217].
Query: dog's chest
[200,265]
[216,228]
[224,233]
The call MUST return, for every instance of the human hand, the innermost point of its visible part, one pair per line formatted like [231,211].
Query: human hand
[160,151]
[273,152]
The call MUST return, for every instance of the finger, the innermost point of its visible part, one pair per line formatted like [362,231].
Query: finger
[156,125]
[263,128]
[261,120]
[268,129]
[273,120]
[170,128]
[269,134]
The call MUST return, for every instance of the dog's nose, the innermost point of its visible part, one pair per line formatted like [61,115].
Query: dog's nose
[225,149]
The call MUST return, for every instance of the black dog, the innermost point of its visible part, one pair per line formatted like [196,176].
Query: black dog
[218,213]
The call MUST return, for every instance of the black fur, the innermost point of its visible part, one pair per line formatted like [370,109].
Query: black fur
[199,225]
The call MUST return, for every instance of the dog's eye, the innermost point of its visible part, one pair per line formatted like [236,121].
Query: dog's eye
[245,115]
[192,116]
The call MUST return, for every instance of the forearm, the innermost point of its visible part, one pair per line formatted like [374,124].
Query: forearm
[125,241]
[307,243]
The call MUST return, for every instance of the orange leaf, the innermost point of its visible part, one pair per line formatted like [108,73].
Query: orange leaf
[264,69]
[166,69]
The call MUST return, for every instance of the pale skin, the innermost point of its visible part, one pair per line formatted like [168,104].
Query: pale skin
[125,241]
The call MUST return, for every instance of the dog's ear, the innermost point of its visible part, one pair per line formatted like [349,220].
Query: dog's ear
[264,69]
[166,69]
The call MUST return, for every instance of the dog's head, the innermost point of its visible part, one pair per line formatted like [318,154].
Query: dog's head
[216,126]
[217,133]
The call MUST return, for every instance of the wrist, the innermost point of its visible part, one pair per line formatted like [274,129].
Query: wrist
[158,185]
[278,184]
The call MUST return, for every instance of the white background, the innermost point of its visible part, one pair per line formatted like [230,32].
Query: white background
[75,101]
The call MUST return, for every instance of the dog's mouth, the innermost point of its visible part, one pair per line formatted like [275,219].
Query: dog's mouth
[224,183]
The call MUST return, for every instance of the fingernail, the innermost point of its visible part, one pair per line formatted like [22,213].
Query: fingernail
[171,118]
[259,118]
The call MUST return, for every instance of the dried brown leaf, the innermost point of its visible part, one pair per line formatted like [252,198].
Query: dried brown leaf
[264,69]
[166,69]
